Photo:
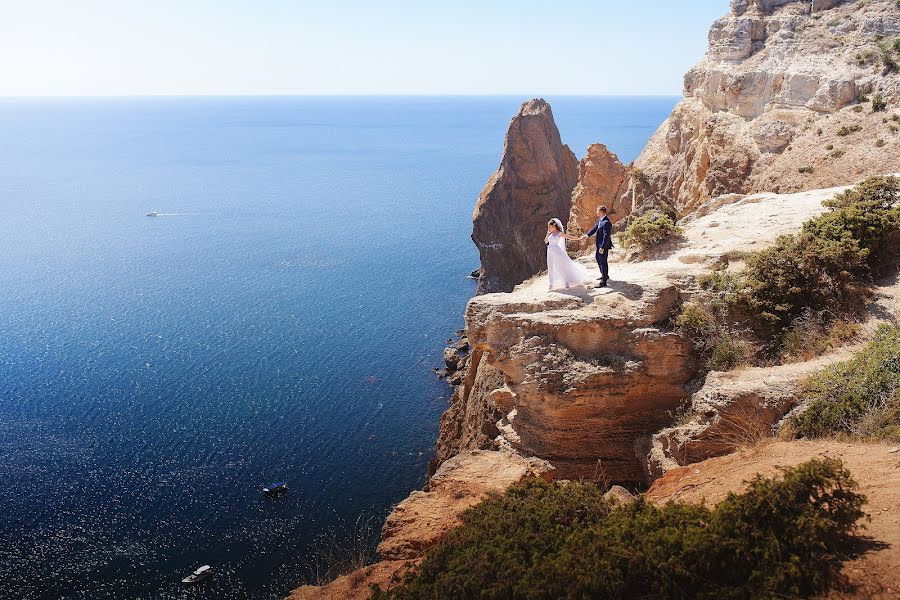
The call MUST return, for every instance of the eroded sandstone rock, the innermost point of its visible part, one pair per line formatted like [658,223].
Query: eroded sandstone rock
[602,180]
[532,185]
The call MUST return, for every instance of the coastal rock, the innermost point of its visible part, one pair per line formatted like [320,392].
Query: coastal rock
[585,378]
[602,180]
[764,110]
[425,517]
[354,585]
[532,185]
[731,410]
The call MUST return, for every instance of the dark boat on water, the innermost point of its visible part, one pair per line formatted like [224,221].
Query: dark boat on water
[276,489]
[198,576]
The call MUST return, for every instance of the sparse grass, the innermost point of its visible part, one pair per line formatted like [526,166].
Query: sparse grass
[860,397]
[805,170]
[837,154]
[829,146]
[857,109]
[337,554]
[814,334]
[782,537]
[879,143]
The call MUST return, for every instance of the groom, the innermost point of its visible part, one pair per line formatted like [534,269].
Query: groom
[603,230]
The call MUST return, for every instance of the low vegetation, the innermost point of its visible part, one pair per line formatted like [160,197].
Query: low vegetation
[796,298]
[848,129]
[542,540]
[860,397]
[649,229]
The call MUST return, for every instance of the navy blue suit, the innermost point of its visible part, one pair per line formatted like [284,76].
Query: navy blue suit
[603,230]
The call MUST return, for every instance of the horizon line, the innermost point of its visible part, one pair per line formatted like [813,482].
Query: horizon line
[331,95]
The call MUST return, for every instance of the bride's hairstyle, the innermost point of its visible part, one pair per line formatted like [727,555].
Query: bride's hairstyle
[555,223]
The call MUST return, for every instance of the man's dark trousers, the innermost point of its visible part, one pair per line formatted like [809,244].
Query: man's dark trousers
[603,263]
[603,230]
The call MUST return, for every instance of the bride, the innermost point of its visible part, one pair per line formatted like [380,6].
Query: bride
[562,270]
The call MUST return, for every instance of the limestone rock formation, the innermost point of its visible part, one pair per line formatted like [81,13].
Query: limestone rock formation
[532,185]
[425,517]
[782,102]
[602,180]
[583,379]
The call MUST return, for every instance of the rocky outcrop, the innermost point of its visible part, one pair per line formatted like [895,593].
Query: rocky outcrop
[583,379]
[532,185]
[731,410]
[782,102]
[602,180]
[425,517]
[739,408]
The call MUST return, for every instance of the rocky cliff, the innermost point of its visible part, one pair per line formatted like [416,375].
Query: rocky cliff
[791,95]
[532,185]
[588,378]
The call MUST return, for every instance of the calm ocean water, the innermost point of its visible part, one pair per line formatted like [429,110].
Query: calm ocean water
[279,321]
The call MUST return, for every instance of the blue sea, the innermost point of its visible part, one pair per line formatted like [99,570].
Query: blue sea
[280,319]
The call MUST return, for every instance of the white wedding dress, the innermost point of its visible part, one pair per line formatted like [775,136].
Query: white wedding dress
[563,272]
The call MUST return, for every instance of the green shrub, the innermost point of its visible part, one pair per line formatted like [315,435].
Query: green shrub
[878,103]
[837,154]
[725,353]
[825,267]
[879,143]
[848,129]
[896,45]
[858,397]
[806,169]
[649,229]
[694,319]
[548,540]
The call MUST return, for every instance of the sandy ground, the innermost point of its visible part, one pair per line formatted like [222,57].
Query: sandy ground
[873,569]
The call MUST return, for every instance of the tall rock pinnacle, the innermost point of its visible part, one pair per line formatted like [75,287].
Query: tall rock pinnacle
[532,185]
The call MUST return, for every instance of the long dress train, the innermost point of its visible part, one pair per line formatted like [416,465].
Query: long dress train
[563,272]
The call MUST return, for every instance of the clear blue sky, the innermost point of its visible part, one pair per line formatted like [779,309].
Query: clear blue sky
[525,47]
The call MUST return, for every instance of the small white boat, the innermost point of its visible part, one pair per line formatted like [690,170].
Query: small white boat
[199,575]
[153,213]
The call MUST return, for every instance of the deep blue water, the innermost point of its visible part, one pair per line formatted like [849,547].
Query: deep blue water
[280,321]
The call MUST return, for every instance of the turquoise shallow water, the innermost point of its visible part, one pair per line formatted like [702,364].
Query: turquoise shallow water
[280,320]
